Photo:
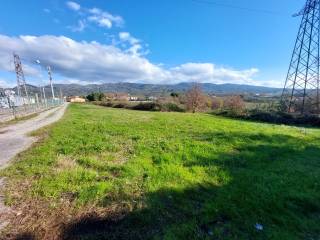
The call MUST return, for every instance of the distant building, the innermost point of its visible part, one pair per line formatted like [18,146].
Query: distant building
[152,98]
[117,96]
[133,98]
[120,97]
[76,99]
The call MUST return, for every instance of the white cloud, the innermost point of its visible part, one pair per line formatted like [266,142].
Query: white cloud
[208,72]
[4,84]
[135,50]
[96,16]
[80,27]
[73,6]
[135,47]
[211,73]
[46,10]
[101,21]
[103,18]
[95,62]
[125,36]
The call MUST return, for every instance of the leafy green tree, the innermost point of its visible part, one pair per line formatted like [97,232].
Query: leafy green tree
[95,97]
[174,94]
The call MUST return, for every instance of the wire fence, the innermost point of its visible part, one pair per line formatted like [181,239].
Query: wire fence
[13,107]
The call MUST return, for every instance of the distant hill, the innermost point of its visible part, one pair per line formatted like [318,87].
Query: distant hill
[161,89]
[155,89]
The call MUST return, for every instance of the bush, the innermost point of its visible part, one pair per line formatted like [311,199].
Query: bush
[172,107]
[174,94]
[120,105]
[95,97]
[271,117]
[147,106]
[216,103]
[104,104]
[309,120]
[275,117]
[234,104]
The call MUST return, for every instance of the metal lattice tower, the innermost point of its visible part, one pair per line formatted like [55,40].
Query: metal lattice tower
[301,90]
[21,82]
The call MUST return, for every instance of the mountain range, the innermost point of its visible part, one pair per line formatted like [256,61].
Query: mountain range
[155,89]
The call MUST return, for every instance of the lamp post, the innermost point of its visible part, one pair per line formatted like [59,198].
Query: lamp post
[43,90]
[50,80]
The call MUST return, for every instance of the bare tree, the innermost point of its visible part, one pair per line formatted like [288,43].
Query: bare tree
[216,103]
[234,104]
[195,99]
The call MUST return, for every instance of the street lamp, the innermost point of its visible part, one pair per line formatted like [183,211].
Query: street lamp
[50,80]
[50,77]
[43,90]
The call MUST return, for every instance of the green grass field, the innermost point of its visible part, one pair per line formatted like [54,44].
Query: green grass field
[105,173]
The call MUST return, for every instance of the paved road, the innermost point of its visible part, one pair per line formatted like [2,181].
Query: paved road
[14,139]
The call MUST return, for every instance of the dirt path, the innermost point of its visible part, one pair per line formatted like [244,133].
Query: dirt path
[14,139]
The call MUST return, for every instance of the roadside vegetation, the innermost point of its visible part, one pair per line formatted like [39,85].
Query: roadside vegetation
[105,173]
[246,107]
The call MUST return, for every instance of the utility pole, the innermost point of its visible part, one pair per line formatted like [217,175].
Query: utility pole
[40,91]
[37,100]
[50,80]
[21,82]
[61,95]
[44,96]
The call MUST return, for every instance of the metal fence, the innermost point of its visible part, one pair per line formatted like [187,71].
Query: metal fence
[13,107]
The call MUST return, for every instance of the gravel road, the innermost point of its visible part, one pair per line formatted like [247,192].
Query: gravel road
[14,139]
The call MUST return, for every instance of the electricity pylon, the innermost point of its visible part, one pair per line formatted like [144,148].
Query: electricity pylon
[301,90]
[21,82]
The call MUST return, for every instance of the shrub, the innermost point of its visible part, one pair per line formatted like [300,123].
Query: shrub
[272,117]
[234,104]
[105,104]
[172,107]
[174,94]
[120,105]
[95,97]
[147,106]
[276,117]
[216,103]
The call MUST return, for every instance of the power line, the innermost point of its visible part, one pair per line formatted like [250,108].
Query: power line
[213,2]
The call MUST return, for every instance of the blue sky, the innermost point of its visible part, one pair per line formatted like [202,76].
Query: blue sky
[151,41]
